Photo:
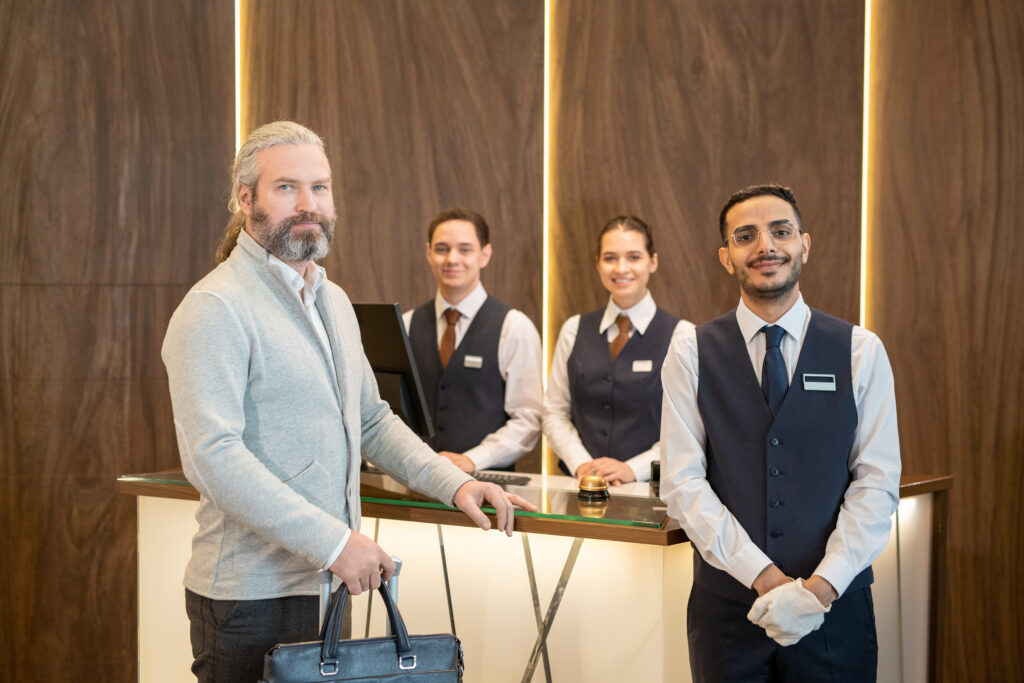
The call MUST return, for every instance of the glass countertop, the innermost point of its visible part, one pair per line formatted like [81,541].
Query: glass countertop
[554,495]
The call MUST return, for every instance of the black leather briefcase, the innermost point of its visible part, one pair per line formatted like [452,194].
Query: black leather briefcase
[401,657]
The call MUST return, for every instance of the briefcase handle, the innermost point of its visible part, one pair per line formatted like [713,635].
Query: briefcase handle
[331,629]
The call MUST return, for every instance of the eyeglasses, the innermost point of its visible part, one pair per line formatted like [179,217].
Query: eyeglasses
[745,237]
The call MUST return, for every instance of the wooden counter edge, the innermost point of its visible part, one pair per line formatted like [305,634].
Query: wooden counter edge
[668,534]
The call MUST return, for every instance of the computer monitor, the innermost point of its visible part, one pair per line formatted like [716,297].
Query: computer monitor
[387,347]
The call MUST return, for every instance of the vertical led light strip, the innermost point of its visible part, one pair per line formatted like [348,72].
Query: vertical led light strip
[865,148]
[546,246]
[238,74]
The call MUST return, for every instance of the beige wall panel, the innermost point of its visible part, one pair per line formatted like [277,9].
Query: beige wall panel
[945,294]
[423,105]
[663,109]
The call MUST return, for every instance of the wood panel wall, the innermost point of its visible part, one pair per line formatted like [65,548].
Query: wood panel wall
[945,294]
[116,125]
[423,106]
[663,109]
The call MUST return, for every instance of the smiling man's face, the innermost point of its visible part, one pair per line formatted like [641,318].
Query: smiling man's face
[766,269]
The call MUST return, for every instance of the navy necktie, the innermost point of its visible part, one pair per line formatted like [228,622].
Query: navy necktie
[774,379]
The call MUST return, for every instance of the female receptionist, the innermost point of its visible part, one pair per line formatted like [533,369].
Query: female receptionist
[602,408]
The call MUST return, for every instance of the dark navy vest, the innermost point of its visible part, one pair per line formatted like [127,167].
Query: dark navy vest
[616,406]
[783,479]
[466,403]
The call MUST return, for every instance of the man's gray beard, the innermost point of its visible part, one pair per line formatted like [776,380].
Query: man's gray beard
[279,240]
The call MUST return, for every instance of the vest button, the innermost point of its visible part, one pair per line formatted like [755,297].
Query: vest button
[774,502]
[442,408]
[440,429]
[774,442]
[606,406]
[775,533]
[443,387]
[774,471]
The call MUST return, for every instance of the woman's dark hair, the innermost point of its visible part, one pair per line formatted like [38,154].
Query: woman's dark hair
[483,233]
[627,223]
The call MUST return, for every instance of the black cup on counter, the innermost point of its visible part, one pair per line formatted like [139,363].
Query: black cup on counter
[655,477]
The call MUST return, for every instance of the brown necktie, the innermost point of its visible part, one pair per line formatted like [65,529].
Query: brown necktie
[619,342]
[448,338]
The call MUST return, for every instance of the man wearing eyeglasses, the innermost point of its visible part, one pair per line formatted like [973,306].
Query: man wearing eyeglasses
[781,463]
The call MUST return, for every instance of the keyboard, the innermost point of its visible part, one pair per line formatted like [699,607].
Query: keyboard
[502,479]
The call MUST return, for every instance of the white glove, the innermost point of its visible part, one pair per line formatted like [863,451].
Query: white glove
[788,613]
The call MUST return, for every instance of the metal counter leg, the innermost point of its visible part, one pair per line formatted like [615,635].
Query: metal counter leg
[536,602]
[447,585]
[570,562]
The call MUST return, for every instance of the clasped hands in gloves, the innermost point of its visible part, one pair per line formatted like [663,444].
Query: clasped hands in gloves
[788,612]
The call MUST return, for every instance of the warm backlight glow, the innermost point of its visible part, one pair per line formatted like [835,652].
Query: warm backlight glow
[238,74]
[546,460]
[864,168]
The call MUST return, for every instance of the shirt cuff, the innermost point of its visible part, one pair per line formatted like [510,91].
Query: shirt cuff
[480,457]
[748,562]
[837,571]
[338,549]
[641,465]
[574,457]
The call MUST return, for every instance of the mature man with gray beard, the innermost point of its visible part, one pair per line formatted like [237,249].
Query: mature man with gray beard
[273,402]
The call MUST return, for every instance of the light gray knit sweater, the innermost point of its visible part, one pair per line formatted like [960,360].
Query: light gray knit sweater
[268,437]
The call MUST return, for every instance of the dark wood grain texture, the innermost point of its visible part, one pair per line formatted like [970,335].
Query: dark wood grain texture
[7,626]
[945,294]
[113,133]
[938,586]
[89,396]
[116,124]
[87,401]
[423,105]
[72,569]
[663,109]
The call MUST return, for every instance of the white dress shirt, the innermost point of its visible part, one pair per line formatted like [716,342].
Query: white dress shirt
[862,529]
[520,365]
[306,287]
[558,427]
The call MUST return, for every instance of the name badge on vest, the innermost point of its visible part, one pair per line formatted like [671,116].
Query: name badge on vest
[474,361]
[819,382]
[643,365]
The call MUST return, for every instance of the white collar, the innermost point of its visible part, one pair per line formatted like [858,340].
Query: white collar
[794,322]
[640,314]
[467,308]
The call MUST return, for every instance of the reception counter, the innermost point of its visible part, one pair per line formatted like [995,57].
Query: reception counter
[579,593]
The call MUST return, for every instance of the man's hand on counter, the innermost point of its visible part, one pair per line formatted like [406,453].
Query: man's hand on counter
[472,495]
[615,472]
